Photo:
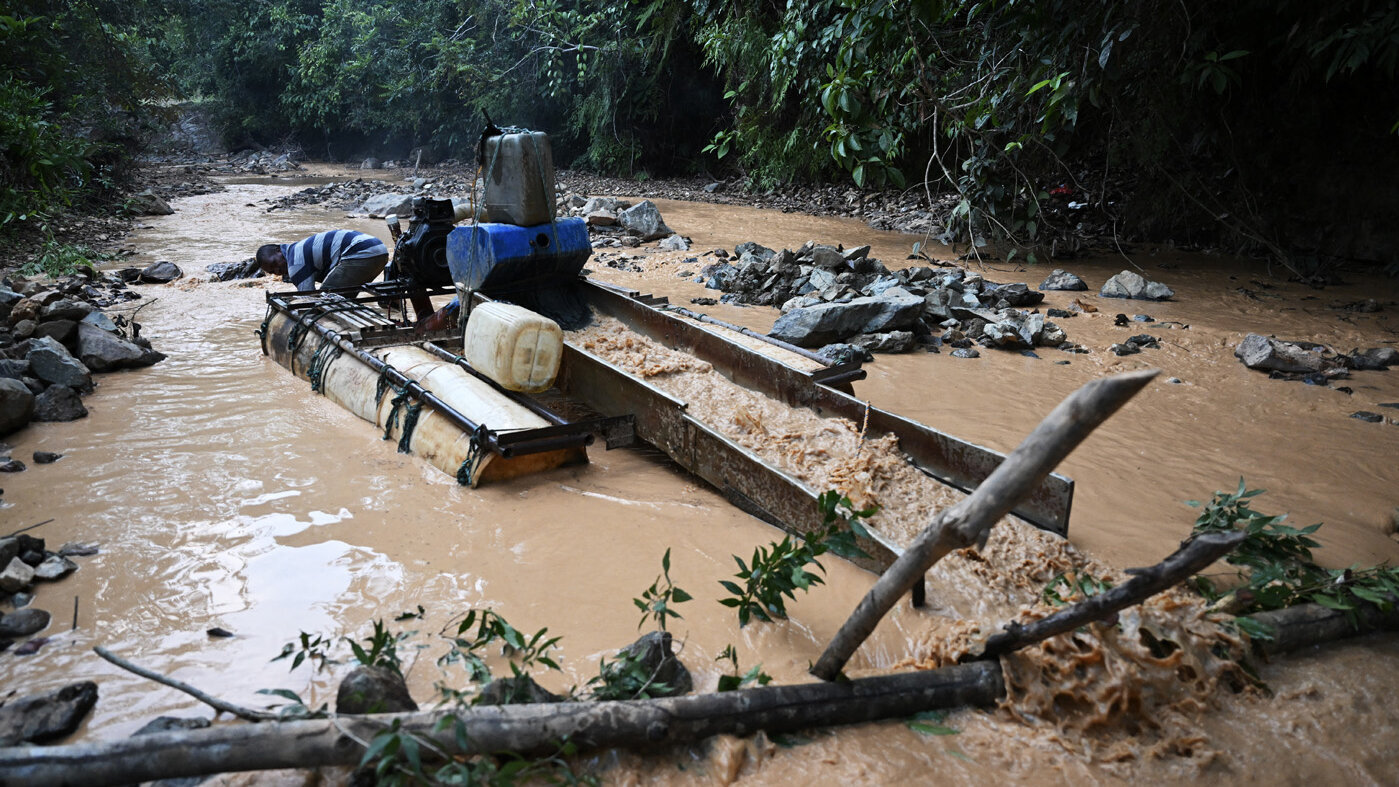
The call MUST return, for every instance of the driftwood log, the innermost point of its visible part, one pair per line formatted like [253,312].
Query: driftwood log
[969,522]
[522,729]
[1194,556]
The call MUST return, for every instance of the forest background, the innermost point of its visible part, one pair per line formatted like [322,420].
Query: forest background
[1267,128]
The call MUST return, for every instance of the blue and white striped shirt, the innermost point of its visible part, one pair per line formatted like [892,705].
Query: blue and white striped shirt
[309,260]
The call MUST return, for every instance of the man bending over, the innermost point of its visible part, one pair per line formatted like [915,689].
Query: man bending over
[338,258]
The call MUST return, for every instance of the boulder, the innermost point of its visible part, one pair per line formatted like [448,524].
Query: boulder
[381,205]
[674,243]
[58,403]
[828,323]
[843,353]
[23,622]
[601,218]
[65,309]
[373,690]
[16,405]
[15,368]
[27,309]
[8,465]
[829,257]
[1376,358]
[100,320]
[758,250]
[148,203]
[857,253]
[520,690]
[39,718]
[53,364]
[1060,279]
[54,567]
[890,342]
[1018,294]
[608,204]
[102,351]
[46,457]
[24,329]
[1261,352]
[228,271]
[1132,285]
[162,272]
[655,654]
[61,331]
[9,550]
[17,576]
[644,219]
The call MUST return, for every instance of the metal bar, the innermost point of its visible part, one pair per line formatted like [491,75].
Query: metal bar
[762,337]
[514,396]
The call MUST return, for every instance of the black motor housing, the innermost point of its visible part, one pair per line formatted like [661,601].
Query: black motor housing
[421,254]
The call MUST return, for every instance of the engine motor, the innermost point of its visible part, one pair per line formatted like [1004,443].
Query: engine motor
[420,256]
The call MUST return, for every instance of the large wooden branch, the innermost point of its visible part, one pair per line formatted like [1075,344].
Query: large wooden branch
[1193,556]
[521,729]
[207,699]
[969,522]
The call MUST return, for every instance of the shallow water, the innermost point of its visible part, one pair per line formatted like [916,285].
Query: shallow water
[223,493]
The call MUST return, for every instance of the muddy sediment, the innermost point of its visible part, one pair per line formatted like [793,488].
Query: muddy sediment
[208,481]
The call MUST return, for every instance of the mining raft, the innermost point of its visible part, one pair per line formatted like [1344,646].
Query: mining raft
[502,390]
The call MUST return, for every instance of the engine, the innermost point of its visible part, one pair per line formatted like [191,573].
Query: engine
[420,256]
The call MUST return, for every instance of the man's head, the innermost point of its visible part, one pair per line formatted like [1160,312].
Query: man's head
[271,260]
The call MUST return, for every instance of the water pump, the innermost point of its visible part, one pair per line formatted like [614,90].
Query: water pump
[420,256]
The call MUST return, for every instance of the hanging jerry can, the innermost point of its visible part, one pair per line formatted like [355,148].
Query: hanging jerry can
[519,179]
[514,346]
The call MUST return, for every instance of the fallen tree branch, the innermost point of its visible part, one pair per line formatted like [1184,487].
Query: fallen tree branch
[1193,556]
[27,529]
[969,522]
[521,729]
[1305,625]
[213,702]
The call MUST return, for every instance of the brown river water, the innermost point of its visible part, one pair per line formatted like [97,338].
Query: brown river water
[224,493]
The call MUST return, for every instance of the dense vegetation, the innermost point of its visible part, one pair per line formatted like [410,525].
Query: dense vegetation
[1254,122]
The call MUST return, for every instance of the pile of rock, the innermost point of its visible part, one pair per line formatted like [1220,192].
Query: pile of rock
[262,162]
[834,296]
[621,223]
[54,336]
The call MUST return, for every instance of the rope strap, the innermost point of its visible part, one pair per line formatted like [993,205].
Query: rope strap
[261,332]
[476,449]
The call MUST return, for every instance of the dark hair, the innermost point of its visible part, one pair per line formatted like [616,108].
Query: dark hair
[264,254]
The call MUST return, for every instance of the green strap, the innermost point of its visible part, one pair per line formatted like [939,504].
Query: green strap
[474,452]
[325,355]
[261,332]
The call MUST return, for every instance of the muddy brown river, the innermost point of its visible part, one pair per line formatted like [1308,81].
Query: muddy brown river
[224,493]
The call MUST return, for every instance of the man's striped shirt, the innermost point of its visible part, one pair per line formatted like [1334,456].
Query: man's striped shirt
[309,260]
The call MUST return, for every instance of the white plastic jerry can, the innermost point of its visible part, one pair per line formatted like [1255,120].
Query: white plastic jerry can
[514,346]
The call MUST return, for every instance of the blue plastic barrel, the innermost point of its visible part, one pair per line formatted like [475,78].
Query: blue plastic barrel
[502,259]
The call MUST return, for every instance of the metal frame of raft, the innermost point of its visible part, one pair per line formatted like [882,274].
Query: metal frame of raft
[634,409]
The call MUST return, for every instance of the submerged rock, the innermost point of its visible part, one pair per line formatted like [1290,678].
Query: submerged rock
[1261,352]
[1060,279]
[373,690]
[39,718]
[102,351]
[162,272]
[515,691]
[23,622]
[655,654]
[58,403]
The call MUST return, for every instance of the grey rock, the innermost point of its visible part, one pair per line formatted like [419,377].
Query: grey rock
[1124,349]
[1051,336]
[607,204]
[100,320]
[857,253]
[15,368]
[17,576]
[966,352]
[1367,416]
[39,718]
[53,364]
[1174,380]
[24,329]
[1017,295]
[228,271]
[61,331]
[148,203]
[758,251]
[827,323]
[1376,358]
[1143,318]
[46,457]
[27,309]
[34,384]
[828,257]
[655,653]
[711,188]
[515,691]
[882,285]
[371,163]
[644,220]
[9,550]
[16,405]
[890,342]
[373,690]
[1058,314]
[171,724]
[58,403]
[75,549]
[162,272]
[719,275]
[1060,279]
[66,309]
[1144,341]
[674,243]
[9,297]
[380,205]
[1261,352]
[102,351]
[54,567]
[843,353]
[819,281]
[1128,284]
[8,465]
[601,218]
[23,622]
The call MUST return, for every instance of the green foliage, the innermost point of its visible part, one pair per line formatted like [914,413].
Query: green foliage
[625,678]
[54,258]
[734,681]
[1276,568]
[1073,587]
[470,649]
[658,601]
[777,571]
